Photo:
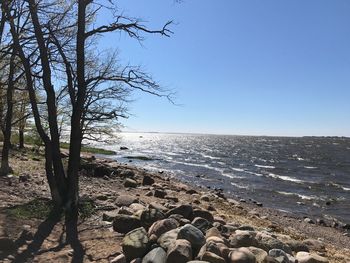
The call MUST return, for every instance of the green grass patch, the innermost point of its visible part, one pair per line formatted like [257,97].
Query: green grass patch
[37,208]
[43,208]
[86,209]
[89,149]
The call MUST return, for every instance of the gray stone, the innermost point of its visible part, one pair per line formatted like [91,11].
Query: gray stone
[201,223]
[159,193]
[125,200]
[279,255]
[149,216]
[119,259]
[193,235]
[314,244]
[241,255]
[135,244]
[124,223]
[162,226]
[109,215]
[147,180]
[243,239]
[267,242]
[185,210]
[306,257]
[212,258]
[179,252]
[204,214]
[130,183]
[168,238]
[156,255]
[260,254]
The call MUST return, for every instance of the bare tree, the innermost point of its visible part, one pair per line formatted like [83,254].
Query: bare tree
[94,90]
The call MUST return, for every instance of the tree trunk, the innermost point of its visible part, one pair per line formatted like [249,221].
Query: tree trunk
[76,129]
[5,167]
[21,139]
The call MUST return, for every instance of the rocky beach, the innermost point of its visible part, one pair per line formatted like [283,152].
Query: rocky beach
[136,215]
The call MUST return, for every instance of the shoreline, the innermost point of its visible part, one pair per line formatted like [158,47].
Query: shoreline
[103,190]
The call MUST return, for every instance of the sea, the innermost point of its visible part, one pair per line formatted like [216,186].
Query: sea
[305,176]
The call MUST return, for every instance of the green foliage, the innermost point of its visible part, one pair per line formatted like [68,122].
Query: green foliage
[38,208]
[86,208]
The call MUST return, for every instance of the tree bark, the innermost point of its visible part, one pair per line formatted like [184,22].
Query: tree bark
[5,167]
[21,139]
[76,125]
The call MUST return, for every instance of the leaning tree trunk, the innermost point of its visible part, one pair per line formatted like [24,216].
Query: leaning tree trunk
[5,167]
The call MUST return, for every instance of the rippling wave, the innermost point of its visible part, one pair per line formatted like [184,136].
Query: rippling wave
[276,171]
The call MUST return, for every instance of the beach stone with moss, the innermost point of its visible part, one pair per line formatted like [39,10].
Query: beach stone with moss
[125,223]
[135,243]
[149,216]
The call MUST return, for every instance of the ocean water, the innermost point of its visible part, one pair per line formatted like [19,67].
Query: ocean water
[306,176]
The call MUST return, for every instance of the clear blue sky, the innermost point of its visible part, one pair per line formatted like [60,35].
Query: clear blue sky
[271,67]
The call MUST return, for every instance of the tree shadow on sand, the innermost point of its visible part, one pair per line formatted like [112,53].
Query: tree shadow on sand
[69,229]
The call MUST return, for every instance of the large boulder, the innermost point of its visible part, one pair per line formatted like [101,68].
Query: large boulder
[149,216]
[193,235]
[179,252]
[243,238]
[124,223]
[201,223]
[156,255]
[204,214]
[268,242]
[162,226]
[185,210]
[135,243]
[168,238]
